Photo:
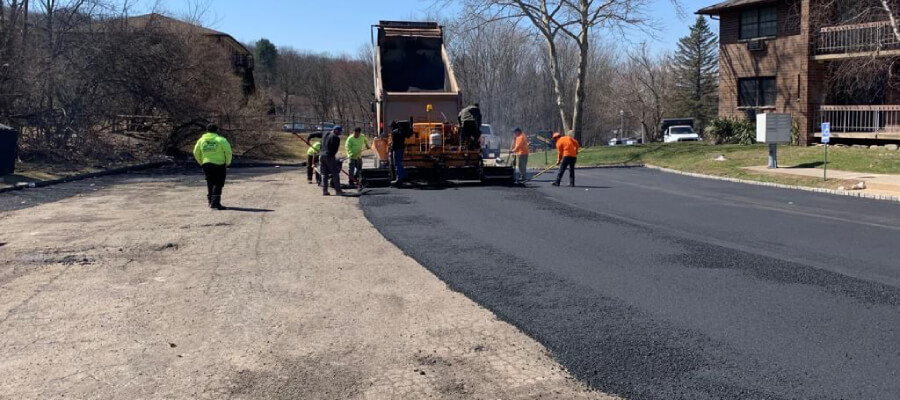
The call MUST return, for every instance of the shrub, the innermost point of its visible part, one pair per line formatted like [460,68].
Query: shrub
[730,131]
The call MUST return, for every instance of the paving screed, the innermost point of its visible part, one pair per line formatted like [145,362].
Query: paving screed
[650,285]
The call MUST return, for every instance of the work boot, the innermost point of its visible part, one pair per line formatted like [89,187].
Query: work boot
[209,200]
[217,203]
[326,194]
[572,184]
[555,184]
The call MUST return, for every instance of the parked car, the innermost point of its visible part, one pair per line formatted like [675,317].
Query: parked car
[680,133]
[624,142]
[325,126]
[537,144]
[674,130]
[294,127]
[490,143]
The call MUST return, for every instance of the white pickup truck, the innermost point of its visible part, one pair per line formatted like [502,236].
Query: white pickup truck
[680,133]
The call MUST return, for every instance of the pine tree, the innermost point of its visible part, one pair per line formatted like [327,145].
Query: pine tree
[697,73]
[266,59]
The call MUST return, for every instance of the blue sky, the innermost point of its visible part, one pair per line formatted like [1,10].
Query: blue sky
[342,26]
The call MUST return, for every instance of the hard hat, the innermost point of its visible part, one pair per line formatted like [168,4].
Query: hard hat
[338,128]
[517,130]
[556,135]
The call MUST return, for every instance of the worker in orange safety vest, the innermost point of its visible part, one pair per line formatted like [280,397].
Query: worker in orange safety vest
[566,156]
[520,150]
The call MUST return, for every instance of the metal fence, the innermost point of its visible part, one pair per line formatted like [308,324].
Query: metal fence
[310,124]
[862,119]
[856,38]
[148,127]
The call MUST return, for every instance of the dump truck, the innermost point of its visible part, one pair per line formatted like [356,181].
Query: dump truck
[416,91]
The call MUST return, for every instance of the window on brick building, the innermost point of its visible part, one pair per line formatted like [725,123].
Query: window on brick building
[756,92]
[759,22]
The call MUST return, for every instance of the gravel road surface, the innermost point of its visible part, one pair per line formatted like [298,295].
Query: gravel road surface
[650,285]
[128,287]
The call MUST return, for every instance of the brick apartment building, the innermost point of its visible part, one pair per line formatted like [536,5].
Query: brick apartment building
[241,58]
[772,58]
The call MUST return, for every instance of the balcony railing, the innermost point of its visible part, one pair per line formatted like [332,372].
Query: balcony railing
[239,61]
[857,38]
[862,121]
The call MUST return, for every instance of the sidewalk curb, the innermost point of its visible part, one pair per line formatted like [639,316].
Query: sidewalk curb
[846,193]
[142,167]
[72,178]
[601,166]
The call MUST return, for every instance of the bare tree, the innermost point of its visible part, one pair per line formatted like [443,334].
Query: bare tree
[574,20]
[858,78]
[648,83]
[546,16]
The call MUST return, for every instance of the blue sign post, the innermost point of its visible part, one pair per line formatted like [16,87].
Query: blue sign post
[826,138]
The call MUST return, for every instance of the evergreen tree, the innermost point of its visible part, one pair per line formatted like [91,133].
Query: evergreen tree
[266,55]
[697,73]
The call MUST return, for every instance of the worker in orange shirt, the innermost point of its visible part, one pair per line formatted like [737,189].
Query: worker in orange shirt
[566,156]
[520,149]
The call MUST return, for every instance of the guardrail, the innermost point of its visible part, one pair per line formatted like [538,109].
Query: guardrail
[857,38]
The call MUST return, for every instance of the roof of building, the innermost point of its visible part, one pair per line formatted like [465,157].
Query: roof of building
[177,25]
[731,4]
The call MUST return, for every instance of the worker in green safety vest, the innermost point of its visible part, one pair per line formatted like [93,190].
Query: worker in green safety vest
[354,146]
[312,159]
[213,153]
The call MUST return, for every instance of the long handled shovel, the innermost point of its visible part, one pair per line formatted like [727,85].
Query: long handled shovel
[548,168]
[543,172]
[352,179]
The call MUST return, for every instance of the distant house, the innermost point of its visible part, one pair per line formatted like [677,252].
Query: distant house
[774,59]
[241,58]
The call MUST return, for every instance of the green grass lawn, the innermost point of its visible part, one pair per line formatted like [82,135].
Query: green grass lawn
[699,158]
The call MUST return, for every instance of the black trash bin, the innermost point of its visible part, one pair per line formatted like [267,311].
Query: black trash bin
[9,149]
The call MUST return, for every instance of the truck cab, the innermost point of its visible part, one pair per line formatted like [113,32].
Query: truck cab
[490,143]
[680,133]
[676,130]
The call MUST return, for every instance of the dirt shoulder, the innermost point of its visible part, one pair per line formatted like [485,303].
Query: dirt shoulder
[131,288]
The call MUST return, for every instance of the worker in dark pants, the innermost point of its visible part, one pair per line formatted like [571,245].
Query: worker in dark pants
[329,166]
[213,153]
[566,156]
[312,159]
[354,146]
[398,147]
[470,121]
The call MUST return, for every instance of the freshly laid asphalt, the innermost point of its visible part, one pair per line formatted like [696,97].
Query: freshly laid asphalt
[657,286]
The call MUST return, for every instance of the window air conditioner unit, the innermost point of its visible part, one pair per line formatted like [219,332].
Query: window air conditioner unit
[756,45]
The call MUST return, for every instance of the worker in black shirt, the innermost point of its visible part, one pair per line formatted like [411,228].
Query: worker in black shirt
[399,133]
[329,166]
[470,125]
